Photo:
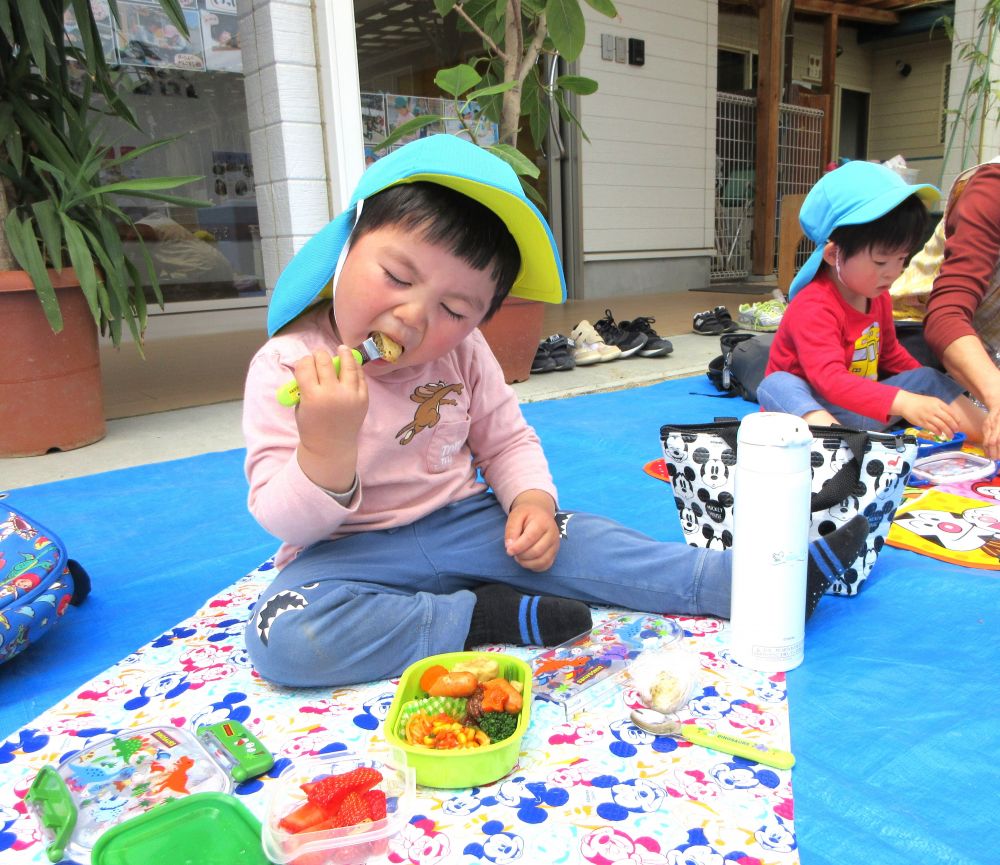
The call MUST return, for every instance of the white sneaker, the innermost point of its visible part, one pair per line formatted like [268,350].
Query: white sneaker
[585,337]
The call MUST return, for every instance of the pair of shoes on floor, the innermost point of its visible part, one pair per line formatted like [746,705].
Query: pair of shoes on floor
[713,322]
[555,353]
[635,337]
[655,345]
[589,346]
[764,316]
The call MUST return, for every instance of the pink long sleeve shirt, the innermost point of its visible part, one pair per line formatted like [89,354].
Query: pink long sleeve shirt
[427,430]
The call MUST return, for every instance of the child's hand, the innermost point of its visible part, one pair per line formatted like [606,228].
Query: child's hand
[927,412]
[329,415]
[532,537]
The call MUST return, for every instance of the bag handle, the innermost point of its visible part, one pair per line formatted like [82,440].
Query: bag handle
[845,481]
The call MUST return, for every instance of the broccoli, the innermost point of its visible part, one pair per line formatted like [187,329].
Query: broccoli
[498,725]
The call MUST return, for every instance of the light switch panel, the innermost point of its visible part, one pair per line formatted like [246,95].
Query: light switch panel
[607,46]
[621,49]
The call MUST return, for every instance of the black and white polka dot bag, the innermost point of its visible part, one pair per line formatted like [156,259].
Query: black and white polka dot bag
[853,472]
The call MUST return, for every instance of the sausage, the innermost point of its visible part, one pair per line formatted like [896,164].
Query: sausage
[459,684]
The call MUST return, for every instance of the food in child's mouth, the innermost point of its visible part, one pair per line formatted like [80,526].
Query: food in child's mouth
[390,350]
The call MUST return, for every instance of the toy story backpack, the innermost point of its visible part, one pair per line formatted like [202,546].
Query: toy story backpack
[37,581]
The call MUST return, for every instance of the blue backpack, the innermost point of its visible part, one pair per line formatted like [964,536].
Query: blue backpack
[37,581]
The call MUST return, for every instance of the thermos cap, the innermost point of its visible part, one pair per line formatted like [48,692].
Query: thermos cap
[774,429]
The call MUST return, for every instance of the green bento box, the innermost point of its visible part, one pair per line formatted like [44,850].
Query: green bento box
[467,767]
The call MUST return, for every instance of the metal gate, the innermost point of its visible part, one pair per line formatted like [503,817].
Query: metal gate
[800,138]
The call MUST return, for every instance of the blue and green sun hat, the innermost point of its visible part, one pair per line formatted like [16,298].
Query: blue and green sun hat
[449,161]
[853,194]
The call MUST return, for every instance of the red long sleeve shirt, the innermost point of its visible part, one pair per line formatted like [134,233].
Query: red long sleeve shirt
[839,351]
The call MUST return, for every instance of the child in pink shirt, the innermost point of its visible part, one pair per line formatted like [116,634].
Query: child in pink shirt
[414,504]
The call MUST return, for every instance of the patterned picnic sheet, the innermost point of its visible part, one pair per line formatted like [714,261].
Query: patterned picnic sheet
[591,789]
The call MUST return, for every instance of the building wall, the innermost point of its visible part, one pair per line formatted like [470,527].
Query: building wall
[906,111]
[647,171]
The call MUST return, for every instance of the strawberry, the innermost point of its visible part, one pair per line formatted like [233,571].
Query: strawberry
[353,810]
[328,793]
[375,800]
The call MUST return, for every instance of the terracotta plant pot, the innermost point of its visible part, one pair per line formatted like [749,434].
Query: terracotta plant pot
[51,396]
[513,334]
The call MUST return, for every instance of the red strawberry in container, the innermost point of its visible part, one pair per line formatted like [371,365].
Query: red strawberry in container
[340,807]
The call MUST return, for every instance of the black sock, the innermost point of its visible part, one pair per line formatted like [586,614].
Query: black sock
[830,556]
[504,615]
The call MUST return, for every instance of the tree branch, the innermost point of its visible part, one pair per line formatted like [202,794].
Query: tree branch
[496,49]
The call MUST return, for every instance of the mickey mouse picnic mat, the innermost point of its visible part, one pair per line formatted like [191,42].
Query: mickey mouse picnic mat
[592,788]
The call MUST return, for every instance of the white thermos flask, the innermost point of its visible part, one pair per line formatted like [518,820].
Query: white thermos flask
[770,541]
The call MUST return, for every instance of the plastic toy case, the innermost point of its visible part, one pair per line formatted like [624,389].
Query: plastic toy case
[345,845]
[471,767]
[123,777]
[947,467]
[580,671]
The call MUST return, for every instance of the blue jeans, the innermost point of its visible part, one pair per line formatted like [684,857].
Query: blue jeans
[782,391]
[366,606]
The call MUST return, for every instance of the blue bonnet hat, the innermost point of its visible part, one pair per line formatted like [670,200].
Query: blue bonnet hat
[853,194]
[449,161]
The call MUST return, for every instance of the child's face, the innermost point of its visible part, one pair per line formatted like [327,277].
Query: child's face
[419,294]
[866,274]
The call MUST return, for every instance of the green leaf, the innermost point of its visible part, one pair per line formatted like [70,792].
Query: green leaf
[5,25]
[50,230]
[577,84]
[605,7]
[536,105]
[408,128]
[36,32]
[443,7]
[566,27]
[515,159]
[24,245]
[492,90]
[532,194]
[143,184]
[82,260]
[457,79]
[568,115]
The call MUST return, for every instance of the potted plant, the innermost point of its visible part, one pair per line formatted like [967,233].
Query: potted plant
[506,86]
[64,275]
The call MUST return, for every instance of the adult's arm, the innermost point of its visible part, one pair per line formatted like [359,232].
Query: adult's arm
[972,250]
[968,362]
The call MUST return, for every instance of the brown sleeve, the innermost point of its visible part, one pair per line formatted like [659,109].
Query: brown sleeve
[972,250]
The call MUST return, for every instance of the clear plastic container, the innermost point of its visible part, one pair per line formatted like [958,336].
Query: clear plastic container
[347,845]
[665,679]
[123,777]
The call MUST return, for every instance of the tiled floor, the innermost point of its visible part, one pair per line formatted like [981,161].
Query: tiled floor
[184,398]
[203,370]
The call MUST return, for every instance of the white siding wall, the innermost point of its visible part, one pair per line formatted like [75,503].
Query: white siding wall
[648,169]
[906,112]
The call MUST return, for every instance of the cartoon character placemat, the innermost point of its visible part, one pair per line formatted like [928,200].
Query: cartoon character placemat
[590,789]
[953,528]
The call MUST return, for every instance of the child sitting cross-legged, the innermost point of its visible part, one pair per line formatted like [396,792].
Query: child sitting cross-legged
[835,358]
[414,504]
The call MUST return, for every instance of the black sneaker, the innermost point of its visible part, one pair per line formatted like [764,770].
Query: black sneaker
[628,342]
[559,350]
[707,323]
[725,319]
[543,361]
[656,345]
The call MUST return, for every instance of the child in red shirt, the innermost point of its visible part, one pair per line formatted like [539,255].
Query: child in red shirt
[835,358]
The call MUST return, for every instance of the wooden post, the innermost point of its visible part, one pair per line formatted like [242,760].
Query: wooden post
[770,37]
[830,28]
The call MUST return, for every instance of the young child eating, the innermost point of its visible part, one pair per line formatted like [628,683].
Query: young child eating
[393,547]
